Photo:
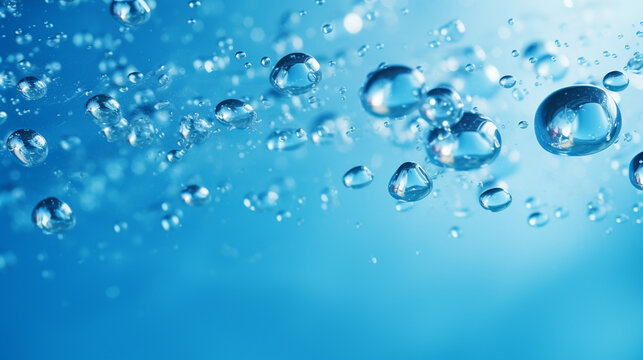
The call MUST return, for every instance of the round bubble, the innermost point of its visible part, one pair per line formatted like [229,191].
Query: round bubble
[409,183]
[358,177]
[104,110]
[471,143]
[442,107]
[615,81]
[53,216]
[32,88]
[296,74]
[577,120]
[29,147]
[235,113]
[495,199]
[636,171]
[130,12]
[392,91]
[507,81]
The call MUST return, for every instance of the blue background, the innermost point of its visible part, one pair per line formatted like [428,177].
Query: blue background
[236,284]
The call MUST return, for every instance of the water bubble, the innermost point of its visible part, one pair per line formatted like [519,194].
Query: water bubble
[495,199]
[596,211]
[358,177]
[472,142]
[130,12]
[615,81]
[635,64]
[195,195]
[3,117]
[515,53]
[296,74]
[442,107]
[170,221]
[636,171]
[552,67]
[511,21]
[194,3]
[561,212]
[392,91]
[523,124]
[454,232]
[327,28]
[265,61]
[235,113]
[286,139]
[403,206]
[409,183]
[174,155]
[453,31]
[194,128]
[29,147]
[117,131]
[577,120]
[537,219]
[135,77]
[470,68]
[141,132]
[104,109]
[507,81]
[53,216]
[32,88]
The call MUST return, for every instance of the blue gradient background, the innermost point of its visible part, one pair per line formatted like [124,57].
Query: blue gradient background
[236,284]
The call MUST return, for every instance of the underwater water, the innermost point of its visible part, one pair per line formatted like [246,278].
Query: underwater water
[321,179]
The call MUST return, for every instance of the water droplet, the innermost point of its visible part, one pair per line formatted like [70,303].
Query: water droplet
[392,91]
[265,61]
[130,12]
[53,216]
[442,107]
[296,74]
[195,195]
[470,68]
[523,124]
[104,109]
[495,199]
[507,81]
[235,113]
[409,183]
[577,120]
[515,53]
[29,147]
[358,177]
[636,171]
[286,139]
[472,142]
[194,128]
[615,81]
[32,88]
[538,219]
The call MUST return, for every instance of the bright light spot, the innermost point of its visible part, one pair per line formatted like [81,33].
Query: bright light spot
[353,23]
